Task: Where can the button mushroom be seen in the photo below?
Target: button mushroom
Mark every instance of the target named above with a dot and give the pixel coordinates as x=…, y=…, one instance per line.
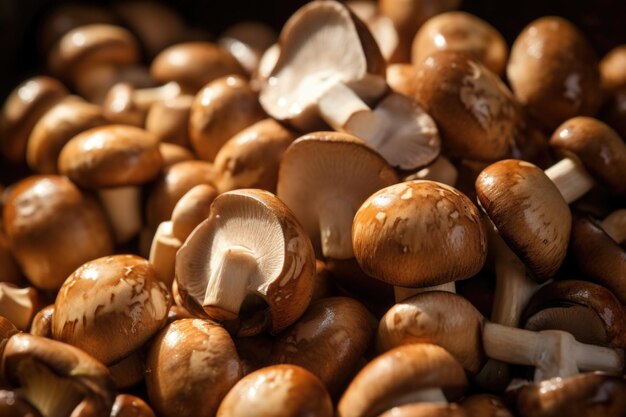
x=126, y=104
x=169, y=120
x=130, y=406
x=247, y=41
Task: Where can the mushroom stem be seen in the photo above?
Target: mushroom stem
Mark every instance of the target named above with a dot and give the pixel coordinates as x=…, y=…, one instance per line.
x=402, y=293
x=228, y=284
x=614, y=225
x=335, y=220
x=442, y=170
x=123, y=208
x=146, y=97
x=163, y=252
x=571, y=178
x=553, y=353
x=339, y=104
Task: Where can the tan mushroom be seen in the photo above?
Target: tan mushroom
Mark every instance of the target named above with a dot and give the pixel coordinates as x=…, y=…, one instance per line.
x=485, y=405
x=129, y=371
x=126, y=104
x=168, y=120
x=172, y=153
x=9, y=269
x=126, y=405
x=7, y=330
x=381, y=27
x=247, y=41
x=19, y=305
x=13, y=404
x=426, y=410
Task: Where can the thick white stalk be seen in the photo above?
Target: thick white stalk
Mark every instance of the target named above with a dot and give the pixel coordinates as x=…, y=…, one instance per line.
x=335, y=221
x=402, y=293
x=571, y=178
x=123, y=208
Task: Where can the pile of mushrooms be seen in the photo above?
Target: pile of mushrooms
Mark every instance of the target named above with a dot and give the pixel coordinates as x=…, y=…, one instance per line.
x=382, y=210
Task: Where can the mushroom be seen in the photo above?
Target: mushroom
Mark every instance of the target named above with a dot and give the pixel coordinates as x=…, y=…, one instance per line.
x=61, y=123
x=381, y=27
x=251, y=158
x=553, y=71
x=19, y=305
x=615, y=111
x=191, y=210
x=114, y=160
x=128, y=105
x=172, y=153
x=426, y=410
x=26, y=104
x=193, y=65
x=247, y=41
x=129, y=371
x=192, y=365
x=402, y=78
x=163, y=251
x=126, y=405
x=442, y=170
x=588, y=311
x=249, y=260
x=254, y=351
x=9, y=269
x=13, y=404
x=168, y=120
x=485, y=405
x=323, y=178
x=110, y=307
x=56, y=378
x=460, y=31
x=7, y=330
x=42, y=322
x=408, y=374
x=419, y=234
x=221, y=109
x=337, y=328
x=52, y=228
x=612, y=69
x=277, y=391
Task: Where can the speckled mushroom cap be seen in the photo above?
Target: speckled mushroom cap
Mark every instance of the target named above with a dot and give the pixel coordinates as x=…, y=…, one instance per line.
x=252, y=237
x=553, y=71
x=111, y=156
x=601, y=150
x=54, y=228
x=419, y=234
x=323, y=169
x=110, y=307
x=477, y=116
x=529, y=212
x=193, y=65
x=460, y=31
x=277, y=391
x=398, y=373
x=191, y=366
x=22, y=109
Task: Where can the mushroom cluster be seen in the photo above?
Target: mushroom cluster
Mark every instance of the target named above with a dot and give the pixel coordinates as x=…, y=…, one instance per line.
x=385, y=209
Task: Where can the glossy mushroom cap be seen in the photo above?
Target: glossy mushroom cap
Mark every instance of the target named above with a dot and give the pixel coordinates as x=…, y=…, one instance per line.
x=173, y=154
x=323, y=178
x=613, y=69
x=111, y=156
x=130, y=406
x=42, y=322
x=277, y=391
x=110, y=307
x=168, y=120
x=529, y=212
x=191, y=210
x=54, y=228
x=419, y=234
x=553, y=71
x=251, y=245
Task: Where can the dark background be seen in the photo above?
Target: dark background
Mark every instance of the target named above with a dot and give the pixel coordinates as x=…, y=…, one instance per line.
x=604, y=22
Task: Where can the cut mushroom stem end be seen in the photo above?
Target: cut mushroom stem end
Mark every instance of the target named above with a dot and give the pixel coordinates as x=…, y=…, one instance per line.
x=335, y=218
x=123, y=207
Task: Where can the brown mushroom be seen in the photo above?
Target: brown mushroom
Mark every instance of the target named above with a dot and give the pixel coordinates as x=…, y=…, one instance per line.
x=485, y=405
x=173, y=154
x=7, y=330
x=613, y=68
x=126, y=405
x=9, y=269
x=441, y=170
x=42, y=322
x=191, y=210
x=426, y=410
x=128, y=371
x=277, y=391
x=19, y=305
x=249, y=260
x=168, y=120
x=247, y=41
x=110, y=307
x=53, y=228
x=402, y=78
x=126, y=104
x=13, y=404
x=192, y=365
x=381, y=27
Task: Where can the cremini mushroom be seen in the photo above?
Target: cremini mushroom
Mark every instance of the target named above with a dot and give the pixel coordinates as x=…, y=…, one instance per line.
x=53, y=228
x=126, y=405
x=126, y=104
x=323, y=178
x=129, y=371
x=192, y=365
x=7, y=330
x=110, y=307
x=12, y=404
x=42, y=322
x=9, y=269
x=172, y=154
x=114, y=160
x=441, y=170
x=249, y=260
x=19, y=305
x=612, y=69
x=191, y=210
x=277, y=391
x=381, y=27
x=247, y=41
x=169, y=120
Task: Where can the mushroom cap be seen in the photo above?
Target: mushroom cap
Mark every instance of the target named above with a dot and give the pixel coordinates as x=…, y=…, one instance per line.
x=42, y=322
x=337, y=328
x=419, y=234
x=307, y=67
x=169, y=120
x=60, y=124
x=191, y=210
x=252, y=157
x=173, y=154
x=529, y=212
x=220, y=110
x=395, y=374
x=402, y=78
x=426, y=410
x=111, y=156
x=460, y=31
x=599, y=257
x=323, y=167
x=19, y=304
x=553, y=71
x=277, y=391
x=247, y=41
x=54, y=228
x=283, y=267
x=613, y=69
x=126, y=405
x=616, y=111
x=191, y=359
x=598, y=146
x=586, y=395
x=477, y=116
x=129, y=371
x=441, y=318
x=193, y=65
x=7, y=329
x=119, y=107
x=22, y=109
x=110, y=307
x=485, y=405
x=13, y=404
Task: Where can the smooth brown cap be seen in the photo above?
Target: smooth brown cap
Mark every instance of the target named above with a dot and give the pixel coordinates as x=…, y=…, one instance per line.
x=42, y=322
x=529, y=212
x=111, y=156
x=400, y=372
x=419, y=234
x=7, y=329
x=616, y=111
x=193, y=65
x=601, y=150
x=191, y=210
x=54, y=228
x=220, y=110
x=126, y=405
x=129, y=371
x=553, y=71
x=613, y=69
x=169, y=120
x=277, y=391
x=426, y=410
x=173, y=154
